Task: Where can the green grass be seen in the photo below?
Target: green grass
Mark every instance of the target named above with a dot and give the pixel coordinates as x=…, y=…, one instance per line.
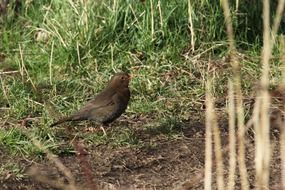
x=10, y=169
x=64, y=52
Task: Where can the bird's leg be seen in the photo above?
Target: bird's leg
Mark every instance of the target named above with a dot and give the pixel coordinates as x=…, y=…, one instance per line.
x=103, y=126
x=95, y=129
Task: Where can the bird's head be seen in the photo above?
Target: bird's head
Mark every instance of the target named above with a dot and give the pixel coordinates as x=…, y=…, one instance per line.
x=120, y=80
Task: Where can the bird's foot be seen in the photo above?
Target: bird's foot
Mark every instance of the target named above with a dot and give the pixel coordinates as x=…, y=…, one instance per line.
x=92, y=130
x=102, y=128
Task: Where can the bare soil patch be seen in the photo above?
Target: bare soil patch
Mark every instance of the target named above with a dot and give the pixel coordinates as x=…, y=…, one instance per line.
x=161, y=163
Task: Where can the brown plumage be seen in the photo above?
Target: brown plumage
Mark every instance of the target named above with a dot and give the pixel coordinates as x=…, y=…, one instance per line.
x=107, y=105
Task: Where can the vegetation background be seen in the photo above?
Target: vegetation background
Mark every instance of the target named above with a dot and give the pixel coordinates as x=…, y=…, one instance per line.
x=55, y=55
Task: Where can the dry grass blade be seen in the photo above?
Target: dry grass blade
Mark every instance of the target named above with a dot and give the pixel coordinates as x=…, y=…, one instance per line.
x=279, y=13
x=160, y=14
x=50, y=63
x=3, y=86
x=212, y=123
x=218, y=152
x=33, y=172
x=229, y=26
x=90, y=184
x=191, y=27
x=282, y=137
x=232, y=138
x=262, y=155
x=239, y=100
x=208, y=140
x=23, y=68
x=52, y=158
x=8, y=72
x=282, y=155
x=237, y=5
x=258, y=142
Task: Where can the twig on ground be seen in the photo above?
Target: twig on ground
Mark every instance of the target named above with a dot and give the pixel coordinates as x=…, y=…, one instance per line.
x=85, y=165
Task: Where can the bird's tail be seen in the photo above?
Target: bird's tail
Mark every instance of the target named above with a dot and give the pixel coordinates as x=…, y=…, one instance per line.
x=65, y=119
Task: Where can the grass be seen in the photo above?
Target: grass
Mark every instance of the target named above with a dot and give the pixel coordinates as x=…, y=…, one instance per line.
x=64, y=52
x=77, y=54
x=8, y=170
x=55, y=55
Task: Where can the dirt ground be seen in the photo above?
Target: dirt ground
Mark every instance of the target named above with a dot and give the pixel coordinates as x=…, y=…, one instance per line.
x=162, y=163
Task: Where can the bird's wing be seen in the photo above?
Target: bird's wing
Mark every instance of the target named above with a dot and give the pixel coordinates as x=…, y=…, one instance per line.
x=101, y=101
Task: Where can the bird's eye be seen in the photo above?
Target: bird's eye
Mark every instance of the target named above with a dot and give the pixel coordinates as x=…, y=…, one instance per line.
x=122, y=78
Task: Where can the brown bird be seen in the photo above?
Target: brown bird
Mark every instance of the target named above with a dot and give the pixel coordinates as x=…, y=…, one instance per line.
x=107, y=105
